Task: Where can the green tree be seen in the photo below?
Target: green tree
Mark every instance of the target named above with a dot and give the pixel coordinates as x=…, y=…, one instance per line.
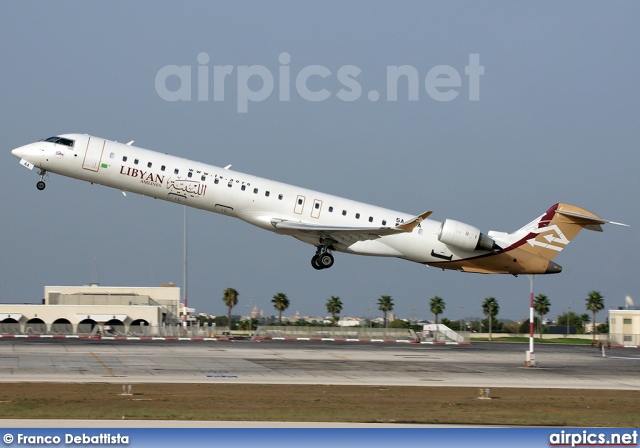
x=490, y=308
x=230, y=299
x=570, y=319
x=496, y=325
x=385, y=304
x=436, y=306
x=542, y=305
x=603, y=328
x=248, y=324
x=399, y=323
x=280, y=303
x=334, y=307
x=595, y=303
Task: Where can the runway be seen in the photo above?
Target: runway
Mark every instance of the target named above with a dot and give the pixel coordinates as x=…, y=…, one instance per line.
x=286, y=362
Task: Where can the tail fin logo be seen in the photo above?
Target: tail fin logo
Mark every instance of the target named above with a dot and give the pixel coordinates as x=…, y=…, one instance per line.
x=555, y=236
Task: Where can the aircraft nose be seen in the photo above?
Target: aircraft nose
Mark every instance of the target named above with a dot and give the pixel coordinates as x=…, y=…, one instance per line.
x=17, y=152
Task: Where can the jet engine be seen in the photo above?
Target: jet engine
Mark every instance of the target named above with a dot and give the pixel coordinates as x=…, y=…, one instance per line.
x=464, y=236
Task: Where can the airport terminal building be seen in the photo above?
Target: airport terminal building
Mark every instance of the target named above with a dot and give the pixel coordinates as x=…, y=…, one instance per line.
x=94, y=309
x=624, y=326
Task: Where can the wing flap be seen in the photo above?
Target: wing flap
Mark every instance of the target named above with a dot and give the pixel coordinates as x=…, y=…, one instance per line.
x=346, y=235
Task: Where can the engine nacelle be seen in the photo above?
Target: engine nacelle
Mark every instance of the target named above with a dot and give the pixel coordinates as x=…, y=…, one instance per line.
x=464, y=236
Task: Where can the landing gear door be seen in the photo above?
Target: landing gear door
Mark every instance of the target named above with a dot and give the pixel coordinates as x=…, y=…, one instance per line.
x=94, y=154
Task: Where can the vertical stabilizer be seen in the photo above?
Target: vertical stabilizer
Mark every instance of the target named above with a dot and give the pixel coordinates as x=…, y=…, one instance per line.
x=551, y=232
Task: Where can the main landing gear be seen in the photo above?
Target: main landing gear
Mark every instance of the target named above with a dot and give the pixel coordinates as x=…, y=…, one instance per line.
x=322, y=259
x=41, y=185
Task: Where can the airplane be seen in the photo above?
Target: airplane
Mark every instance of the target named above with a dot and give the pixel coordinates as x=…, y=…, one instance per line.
x=330, y=223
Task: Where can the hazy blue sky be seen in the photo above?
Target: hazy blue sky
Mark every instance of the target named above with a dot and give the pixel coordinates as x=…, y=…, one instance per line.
x=556, y=120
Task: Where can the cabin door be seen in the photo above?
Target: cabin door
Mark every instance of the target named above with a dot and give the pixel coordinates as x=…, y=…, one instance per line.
x=93, y=155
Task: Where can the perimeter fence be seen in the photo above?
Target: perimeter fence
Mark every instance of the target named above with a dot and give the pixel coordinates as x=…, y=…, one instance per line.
x=360, y=333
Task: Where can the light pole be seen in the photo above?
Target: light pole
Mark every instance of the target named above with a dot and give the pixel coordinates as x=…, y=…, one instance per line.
x=568, y=316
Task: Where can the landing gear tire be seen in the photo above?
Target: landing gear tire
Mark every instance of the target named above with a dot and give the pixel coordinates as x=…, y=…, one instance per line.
x=40, y=185
x=325, y=260
x=314, y=263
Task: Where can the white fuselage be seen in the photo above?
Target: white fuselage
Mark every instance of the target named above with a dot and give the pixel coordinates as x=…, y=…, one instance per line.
x=255, y=200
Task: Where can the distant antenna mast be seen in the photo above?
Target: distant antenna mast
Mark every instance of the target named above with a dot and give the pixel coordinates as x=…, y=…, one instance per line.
x=94, y=277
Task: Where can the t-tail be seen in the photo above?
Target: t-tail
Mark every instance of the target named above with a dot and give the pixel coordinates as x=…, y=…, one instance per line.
x=548, y=234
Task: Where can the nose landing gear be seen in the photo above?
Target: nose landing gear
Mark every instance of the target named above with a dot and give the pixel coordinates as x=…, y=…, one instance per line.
x=41, y=185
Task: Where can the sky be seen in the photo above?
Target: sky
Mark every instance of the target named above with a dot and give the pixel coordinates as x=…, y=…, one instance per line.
x=552, y=118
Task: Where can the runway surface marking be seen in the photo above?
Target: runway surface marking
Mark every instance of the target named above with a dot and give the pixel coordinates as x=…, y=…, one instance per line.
x=102, y=364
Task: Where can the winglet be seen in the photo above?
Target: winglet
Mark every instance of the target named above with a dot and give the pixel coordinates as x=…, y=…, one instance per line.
x=413, y=223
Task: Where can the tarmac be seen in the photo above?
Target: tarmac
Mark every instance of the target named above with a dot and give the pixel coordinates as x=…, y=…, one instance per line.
x=481, y=364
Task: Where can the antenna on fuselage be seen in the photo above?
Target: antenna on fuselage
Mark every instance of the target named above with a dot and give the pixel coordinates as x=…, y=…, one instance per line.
x=130, y=143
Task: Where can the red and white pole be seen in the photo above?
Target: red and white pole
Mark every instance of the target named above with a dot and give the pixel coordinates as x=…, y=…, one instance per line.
x=530, y=358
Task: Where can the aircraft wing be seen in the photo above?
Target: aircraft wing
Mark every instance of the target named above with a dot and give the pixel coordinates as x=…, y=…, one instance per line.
x=345, y=235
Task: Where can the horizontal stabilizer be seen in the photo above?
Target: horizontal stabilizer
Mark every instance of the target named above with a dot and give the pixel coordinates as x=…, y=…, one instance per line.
x=592, y=223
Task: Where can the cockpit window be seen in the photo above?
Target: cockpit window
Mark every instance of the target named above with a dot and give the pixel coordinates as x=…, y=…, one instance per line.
x=60, y=141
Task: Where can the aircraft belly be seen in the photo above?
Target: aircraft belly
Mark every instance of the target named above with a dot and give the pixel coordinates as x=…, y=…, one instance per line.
x=371, y=247
x=513, y=262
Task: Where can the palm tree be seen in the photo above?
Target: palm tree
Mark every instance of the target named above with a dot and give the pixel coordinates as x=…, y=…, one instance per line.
x=334, y=306
x=584, y=320
x=436, y=305
x=230, y=298
x=595, y=303
x=280, y=303
x=542, y=306
x=385, y=304
x=490, y=308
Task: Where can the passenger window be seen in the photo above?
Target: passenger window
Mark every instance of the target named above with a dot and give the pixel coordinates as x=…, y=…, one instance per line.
x=244, y=187
x=330, y=209
x=255, y=191
x=384, y=222
x=266, y=193
x=203, y=178
x=230, y=184
x=189, y=174
x=135, y=161
x=280, y=197
x=317, y=205
x=162, y=168
x=216, y=180
x=112, y=155
x=357, y=215
x=124, y=158
x=149, y=165
x=175, y=171
x=299, y=201
x=344, y=213
x=370, y=218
